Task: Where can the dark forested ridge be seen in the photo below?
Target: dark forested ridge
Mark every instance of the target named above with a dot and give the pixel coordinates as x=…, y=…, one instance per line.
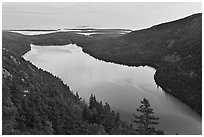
x=17, y=43
x=173, y=48
x=35, y=102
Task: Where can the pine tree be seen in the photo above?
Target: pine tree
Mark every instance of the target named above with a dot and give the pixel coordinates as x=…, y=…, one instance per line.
x=92, y=102
x=146, y=119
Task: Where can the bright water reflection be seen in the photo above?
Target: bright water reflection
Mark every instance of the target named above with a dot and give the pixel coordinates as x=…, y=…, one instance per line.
x=121, y=86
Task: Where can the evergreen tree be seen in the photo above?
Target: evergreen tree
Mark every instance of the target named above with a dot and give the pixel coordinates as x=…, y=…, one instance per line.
x=117, y=119
x=146, y=119
x=92, y=102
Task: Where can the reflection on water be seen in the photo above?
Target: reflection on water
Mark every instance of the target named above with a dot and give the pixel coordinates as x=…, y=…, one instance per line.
x=121, y=86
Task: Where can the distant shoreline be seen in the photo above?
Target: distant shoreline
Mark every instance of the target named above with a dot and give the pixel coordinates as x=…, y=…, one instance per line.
x=33, y=30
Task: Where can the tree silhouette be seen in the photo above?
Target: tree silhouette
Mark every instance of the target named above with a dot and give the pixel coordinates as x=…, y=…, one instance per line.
x=146, y=119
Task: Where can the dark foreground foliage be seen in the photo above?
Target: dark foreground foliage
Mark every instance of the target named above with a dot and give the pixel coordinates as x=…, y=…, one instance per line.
x=146, y=119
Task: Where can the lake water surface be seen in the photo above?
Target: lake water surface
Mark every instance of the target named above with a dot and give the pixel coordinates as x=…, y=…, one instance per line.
x=121, y=86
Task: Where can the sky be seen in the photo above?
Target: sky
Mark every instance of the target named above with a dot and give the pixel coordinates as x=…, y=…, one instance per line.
x=132, y=15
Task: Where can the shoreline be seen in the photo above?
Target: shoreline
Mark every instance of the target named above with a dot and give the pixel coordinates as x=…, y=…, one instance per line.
x=153, y=65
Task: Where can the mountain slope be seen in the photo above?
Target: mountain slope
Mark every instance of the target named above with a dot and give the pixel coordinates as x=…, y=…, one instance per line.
x=150, y=45
x=174, y=49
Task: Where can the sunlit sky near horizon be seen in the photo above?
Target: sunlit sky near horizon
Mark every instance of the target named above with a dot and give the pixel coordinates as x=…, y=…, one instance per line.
x=133, y=15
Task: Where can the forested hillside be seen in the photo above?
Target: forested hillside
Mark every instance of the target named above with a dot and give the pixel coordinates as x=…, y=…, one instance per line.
x=36, y=102
x=174, y=49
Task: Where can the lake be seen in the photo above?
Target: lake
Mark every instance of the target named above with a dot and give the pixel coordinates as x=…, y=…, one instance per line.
x=121, y=86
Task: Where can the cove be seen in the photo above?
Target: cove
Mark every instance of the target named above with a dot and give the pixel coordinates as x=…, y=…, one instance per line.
x=121, y=86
